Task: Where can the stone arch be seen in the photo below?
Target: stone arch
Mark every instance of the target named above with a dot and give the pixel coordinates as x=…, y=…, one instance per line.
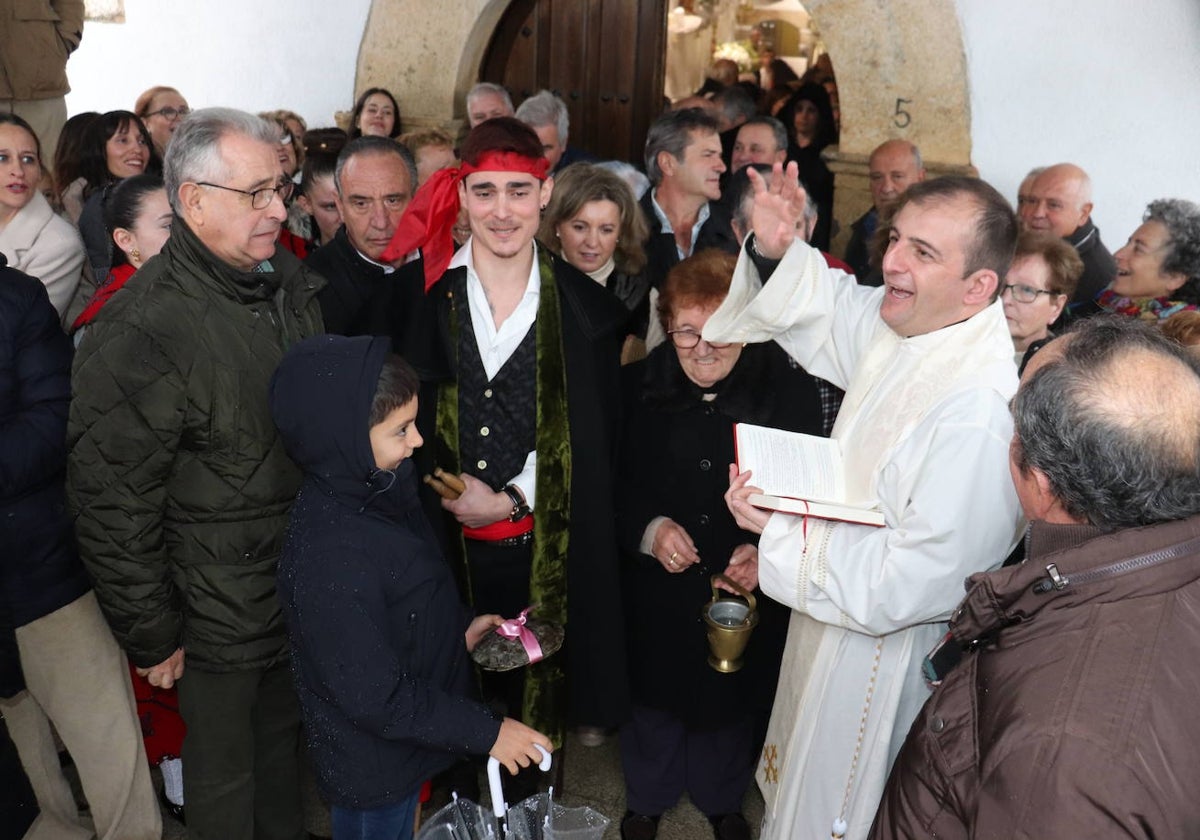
x=441, y=45
x=902, y=73
x=901, y=66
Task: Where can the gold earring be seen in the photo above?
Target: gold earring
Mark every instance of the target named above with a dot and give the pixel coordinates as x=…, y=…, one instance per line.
x=135, y=254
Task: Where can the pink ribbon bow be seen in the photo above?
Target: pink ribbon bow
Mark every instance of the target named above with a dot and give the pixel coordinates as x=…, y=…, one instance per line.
x=515, y=628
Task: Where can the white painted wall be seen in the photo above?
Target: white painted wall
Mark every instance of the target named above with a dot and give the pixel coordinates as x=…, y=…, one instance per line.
x=1110, y=85
x=256, y=55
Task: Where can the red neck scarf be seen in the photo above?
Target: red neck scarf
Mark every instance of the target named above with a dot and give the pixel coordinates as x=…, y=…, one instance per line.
x=427, y=222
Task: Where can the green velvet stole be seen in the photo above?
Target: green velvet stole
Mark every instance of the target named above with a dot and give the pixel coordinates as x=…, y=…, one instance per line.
x=544, y=700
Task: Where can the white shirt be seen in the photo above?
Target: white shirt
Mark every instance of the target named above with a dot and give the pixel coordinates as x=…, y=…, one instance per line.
x=701, y=218
x=497, y=344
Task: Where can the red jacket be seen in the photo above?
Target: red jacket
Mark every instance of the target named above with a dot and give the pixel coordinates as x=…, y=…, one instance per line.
x=1076, y=714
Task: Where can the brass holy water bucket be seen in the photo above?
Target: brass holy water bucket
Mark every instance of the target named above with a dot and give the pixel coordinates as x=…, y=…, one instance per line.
x=729, y=624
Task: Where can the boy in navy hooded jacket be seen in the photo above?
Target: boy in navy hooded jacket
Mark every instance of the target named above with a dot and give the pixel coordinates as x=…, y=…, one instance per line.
x=379, y=637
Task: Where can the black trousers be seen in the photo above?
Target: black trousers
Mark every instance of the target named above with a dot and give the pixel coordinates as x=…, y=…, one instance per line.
x=662, y=758
x=18, y=808
x=500, y=584
x=241, y=776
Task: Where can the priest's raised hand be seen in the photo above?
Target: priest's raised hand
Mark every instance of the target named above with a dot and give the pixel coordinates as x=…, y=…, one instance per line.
x=778, y=208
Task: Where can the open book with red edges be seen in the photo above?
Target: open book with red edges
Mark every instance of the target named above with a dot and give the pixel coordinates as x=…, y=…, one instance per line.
x=799, y=473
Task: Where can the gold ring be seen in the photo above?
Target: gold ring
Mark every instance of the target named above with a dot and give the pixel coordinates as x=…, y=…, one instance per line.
x=674, y=554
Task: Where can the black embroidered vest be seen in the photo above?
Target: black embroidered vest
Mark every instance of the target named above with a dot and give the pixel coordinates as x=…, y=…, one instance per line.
x=497, y=419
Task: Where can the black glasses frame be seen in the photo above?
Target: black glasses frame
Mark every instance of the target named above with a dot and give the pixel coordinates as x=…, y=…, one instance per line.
x=170, y=113
x=259, y=199
x=689, y=339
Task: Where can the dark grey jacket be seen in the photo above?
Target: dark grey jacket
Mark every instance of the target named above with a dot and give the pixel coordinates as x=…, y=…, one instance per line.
x=177, y=477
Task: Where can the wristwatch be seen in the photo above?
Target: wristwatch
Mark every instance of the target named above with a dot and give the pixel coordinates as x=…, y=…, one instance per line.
x=520, y=509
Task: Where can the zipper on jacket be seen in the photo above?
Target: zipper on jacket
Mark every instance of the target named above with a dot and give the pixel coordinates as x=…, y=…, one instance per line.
x=1056, y=581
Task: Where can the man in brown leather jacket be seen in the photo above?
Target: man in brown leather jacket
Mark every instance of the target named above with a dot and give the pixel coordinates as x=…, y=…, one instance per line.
x=1072, y=710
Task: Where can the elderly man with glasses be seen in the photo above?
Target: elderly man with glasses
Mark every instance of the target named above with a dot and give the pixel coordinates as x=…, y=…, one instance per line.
x=178, y=480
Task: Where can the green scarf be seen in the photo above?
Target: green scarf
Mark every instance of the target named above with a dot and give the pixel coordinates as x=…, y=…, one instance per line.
x=544, y=700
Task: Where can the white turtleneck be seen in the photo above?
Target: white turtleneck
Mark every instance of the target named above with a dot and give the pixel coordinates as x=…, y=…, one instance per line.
x=601, y=274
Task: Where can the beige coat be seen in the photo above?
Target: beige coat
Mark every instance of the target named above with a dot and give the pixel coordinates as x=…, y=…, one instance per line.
x=45, y=245
x=36, y=36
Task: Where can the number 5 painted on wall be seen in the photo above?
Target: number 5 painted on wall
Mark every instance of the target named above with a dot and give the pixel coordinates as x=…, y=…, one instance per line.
x=903, y=118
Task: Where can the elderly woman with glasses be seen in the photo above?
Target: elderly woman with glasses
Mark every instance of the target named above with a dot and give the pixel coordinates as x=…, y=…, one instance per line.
x=161, y=108
x=1039, y=284
x=694, y=729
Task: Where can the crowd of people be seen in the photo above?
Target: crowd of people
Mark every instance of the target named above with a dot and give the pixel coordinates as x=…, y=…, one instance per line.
x=345, y=404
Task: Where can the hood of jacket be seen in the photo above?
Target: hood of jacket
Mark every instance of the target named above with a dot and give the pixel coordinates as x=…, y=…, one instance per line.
x=321, y=398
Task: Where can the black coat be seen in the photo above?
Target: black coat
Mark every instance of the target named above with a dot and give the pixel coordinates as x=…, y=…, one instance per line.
x=373, y=615
x=40, y=570
x=359, y=298
x=661, y=252
x=1099, y=267
x=676, y=450
x=818, y=181
x=858, y=251
x=592, y=320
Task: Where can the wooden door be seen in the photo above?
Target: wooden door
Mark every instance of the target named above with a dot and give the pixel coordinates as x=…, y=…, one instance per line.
x=605, y=58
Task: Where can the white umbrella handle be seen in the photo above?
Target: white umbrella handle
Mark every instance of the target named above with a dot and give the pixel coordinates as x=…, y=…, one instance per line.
x=499, y=806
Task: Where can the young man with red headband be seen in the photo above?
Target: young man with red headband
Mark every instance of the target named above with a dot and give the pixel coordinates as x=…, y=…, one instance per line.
x=522, y=400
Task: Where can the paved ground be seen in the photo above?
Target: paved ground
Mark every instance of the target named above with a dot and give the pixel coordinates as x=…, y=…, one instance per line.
x=592, y=778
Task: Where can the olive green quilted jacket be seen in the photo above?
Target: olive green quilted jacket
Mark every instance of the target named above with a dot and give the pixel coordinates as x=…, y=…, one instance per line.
x=177, y=478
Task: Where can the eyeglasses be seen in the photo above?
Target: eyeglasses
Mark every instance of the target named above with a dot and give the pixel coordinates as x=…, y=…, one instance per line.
x=687, y=339
x=285, y=140
x=170, y=113
x=259, y=199
x=1024, y=294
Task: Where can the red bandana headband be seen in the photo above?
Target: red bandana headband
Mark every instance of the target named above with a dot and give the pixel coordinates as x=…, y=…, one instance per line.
x=429, y=219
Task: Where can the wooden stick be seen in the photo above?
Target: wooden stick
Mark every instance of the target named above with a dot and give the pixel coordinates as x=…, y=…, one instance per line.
x=450, y=480
x=441, y=489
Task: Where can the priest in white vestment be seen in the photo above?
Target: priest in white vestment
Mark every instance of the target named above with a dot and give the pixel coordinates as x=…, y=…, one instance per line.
x=927, y=365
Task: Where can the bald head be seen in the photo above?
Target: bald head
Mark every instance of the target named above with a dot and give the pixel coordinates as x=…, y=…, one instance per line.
x=893, y=166
x=1060, y=200
x=1110, y=421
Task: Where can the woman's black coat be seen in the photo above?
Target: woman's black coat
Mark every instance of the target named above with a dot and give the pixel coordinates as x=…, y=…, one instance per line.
x=676, y=451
